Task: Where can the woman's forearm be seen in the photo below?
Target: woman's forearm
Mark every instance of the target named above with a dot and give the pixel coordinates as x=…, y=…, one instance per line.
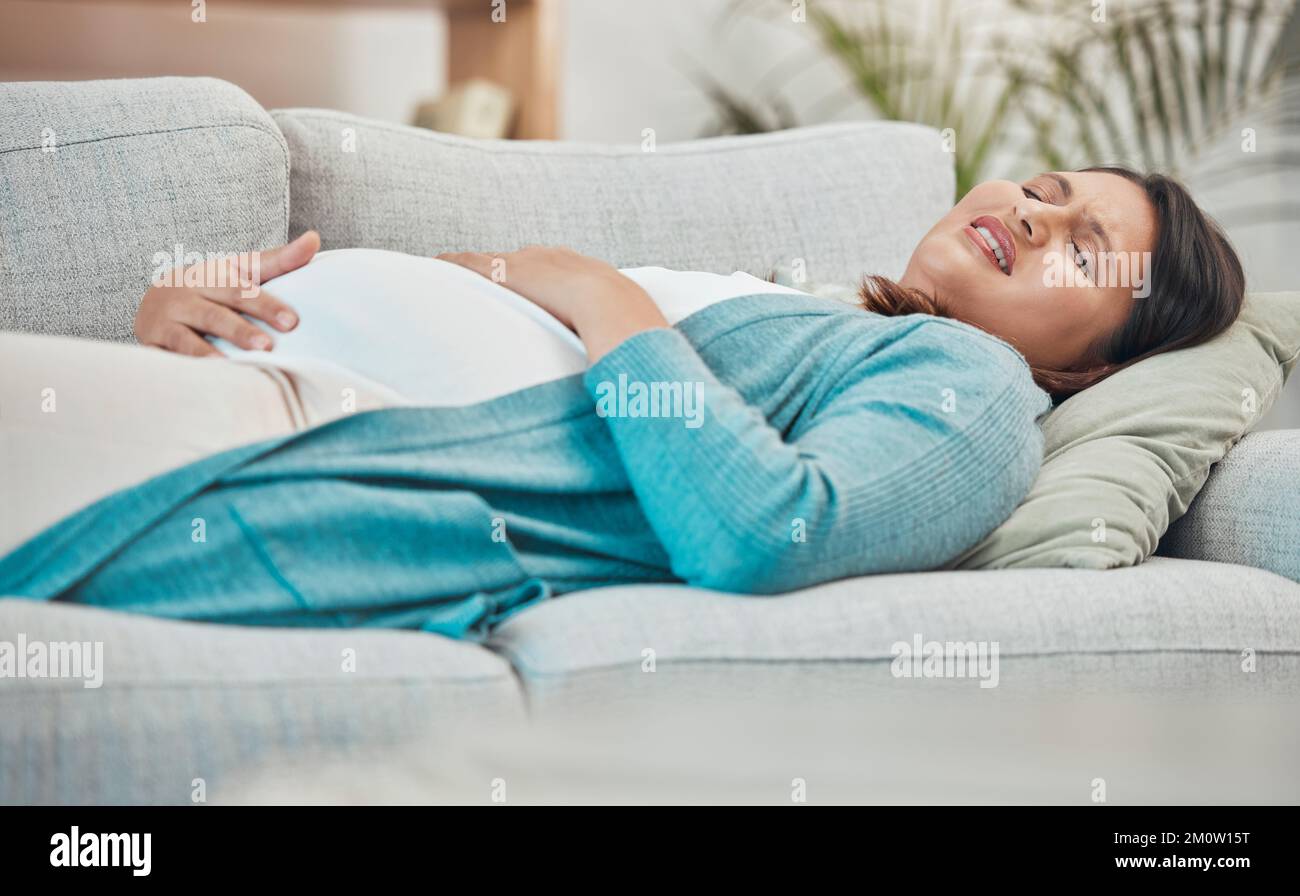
x=585, y=294
x=604, y=326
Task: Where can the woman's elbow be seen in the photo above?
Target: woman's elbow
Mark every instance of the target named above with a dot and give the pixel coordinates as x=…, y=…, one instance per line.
x=744, y=566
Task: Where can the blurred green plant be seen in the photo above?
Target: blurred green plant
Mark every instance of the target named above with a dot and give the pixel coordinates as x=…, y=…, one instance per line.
x=924, y=61
x=739, y=116
x=1153, y=84
x=1183, y=87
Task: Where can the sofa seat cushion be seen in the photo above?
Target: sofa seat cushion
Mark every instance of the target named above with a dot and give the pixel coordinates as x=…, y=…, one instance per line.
x=180, y=701
x=1168, y=624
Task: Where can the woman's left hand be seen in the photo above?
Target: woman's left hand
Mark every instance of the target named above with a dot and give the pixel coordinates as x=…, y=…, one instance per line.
x=585, y=294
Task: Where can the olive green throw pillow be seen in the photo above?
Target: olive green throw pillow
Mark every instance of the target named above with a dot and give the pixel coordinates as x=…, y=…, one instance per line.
x=1124, y=459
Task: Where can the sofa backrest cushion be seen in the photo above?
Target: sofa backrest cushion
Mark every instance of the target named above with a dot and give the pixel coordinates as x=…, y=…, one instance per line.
x=101, y=179
x=832, y=202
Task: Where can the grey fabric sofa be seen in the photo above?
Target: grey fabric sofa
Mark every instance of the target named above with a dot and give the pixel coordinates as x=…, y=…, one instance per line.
x=99, y=176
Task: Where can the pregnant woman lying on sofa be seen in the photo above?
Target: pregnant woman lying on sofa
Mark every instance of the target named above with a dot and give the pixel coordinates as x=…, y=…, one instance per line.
x=540, y=422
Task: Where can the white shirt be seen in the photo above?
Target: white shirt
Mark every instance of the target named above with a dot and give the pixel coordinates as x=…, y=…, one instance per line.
x=415, y=330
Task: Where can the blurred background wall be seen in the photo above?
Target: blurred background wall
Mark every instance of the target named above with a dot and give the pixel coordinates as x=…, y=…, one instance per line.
x=682, y=68
x=378, y=62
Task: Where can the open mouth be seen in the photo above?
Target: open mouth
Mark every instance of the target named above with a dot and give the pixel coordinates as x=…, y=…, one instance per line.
x=992, y=238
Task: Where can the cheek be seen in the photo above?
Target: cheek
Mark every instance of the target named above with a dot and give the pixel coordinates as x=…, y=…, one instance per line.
x=1050, y=312
x=1034, y=319
x=987, y=195
x=1008, y=310
x=1082, y=308
x=1062, y=324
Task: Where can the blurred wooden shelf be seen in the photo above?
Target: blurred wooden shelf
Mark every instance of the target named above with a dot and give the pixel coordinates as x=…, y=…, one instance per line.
x=522, y=54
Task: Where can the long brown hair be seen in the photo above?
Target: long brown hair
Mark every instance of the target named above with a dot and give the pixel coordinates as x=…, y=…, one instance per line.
x=1197, y=290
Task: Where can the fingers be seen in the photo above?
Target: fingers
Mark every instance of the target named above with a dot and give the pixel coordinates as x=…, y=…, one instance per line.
x=262, y=305
x=218, y=320
x=289, y=257
x=212, y=298
x=184, y=341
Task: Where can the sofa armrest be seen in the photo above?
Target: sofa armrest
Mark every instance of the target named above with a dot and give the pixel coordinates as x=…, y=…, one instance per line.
x=1248, y=513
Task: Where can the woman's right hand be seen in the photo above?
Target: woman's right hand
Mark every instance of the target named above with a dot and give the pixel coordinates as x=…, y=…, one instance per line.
x=178, y=317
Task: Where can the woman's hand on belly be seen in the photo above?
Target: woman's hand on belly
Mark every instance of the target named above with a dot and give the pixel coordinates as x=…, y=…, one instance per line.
x=585, y=294
x=209, y=298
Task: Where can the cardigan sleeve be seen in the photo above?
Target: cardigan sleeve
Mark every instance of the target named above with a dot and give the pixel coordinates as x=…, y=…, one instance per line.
x=879, y=476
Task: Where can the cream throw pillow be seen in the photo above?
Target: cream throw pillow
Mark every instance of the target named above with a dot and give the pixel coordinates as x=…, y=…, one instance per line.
x=1125, y=458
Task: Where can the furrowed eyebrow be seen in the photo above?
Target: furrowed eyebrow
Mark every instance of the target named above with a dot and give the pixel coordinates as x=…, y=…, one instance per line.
x=1066, y=190
x=1100, y=231
x=1093, y=224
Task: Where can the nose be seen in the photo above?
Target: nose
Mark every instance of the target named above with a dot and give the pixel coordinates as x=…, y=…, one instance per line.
x=1035, y=221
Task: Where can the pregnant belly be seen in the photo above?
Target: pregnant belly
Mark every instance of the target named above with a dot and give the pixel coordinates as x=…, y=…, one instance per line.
x=428, y=332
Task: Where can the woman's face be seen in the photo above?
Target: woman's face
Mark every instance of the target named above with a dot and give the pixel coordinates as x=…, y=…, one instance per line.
x=1075, y=250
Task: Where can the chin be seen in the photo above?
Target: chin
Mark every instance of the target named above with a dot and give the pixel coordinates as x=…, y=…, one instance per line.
x=940, y=264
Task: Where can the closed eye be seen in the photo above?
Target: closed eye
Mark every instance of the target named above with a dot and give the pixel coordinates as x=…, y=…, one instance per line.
x=1080, y=257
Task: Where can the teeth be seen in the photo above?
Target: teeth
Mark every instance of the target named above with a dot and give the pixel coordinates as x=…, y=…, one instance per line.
x=995, y=246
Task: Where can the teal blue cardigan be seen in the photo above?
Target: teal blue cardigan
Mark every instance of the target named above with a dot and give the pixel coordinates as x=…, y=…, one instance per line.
x=831, y=442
